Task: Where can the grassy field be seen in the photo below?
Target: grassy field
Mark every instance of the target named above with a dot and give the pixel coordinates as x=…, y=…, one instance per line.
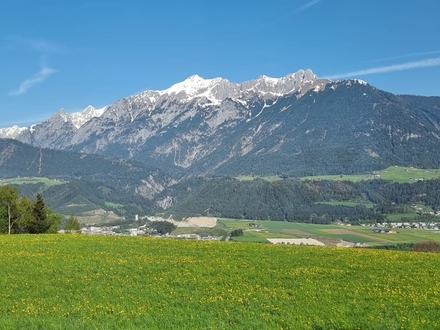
x=326, y=233
x=351, y=204
x=34, y=180
x=103, y=282
x=114, y=205
x=393, y=173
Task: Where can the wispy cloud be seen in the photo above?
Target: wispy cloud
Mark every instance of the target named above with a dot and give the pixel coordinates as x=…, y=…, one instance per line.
x=407, y=55
x=430, y=62
x=44, y=73
x=307, y=5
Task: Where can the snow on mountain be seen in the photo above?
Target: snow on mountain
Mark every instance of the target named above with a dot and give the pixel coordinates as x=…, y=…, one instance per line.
x=133, y=120
x=299, y=82
x=195, y=86
x=57, y=120
x=81, y=117
x=292, y=124
x=215, y=91
x=11, y=132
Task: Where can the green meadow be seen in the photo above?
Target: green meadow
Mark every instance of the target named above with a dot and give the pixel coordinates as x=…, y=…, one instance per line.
x=109, y=282
x=393, y=173
x=326, y=233
x=351, y=204
x=32, y=180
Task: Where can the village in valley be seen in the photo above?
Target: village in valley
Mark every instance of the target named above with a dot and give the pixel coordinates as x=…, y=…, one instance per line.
x=272, y=232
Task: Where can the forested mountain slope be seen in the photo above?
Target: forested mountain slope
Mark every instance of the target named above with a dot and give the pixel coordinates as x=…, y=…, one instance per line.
x=22, y=160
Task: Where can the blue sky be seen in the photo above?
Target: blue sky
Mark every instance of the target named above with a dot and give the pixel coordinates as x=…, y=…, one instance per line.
x=57, y=54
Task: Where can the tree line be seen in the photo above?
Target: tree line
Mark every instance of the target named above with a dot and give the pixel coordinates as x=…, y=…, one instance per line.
x=314, y=201
x=22, y=214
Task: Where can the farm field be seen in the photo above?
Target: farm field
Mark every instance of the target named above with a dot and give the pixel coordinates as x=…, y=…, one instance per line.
x=393, y=173
x=330, y=234
x=108, y=282
x=398, y=174
x=34, y=180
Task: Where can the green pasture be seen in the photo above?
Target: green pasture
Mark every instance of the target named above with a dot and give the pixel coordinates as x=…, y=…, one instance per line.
x=259, y=237
x=340, y=177
x=397, y=217
x=408, y=174
x=393, y=173
x=351, y=204
x=334, y=233
x=114, y=205
x=410, y=236
x=110, y=282
x=34, y=180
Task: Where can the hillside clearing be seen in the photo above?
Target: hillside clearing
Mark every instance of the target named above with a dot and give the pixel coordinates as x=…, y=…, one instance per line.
x=32, y=180
x=398, y=174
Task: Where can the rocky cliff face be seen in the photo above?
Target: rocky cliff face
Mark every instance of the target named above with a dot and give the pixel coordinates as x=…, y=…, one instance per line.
x=55, y=132
x=125, y=127
x=294, y=124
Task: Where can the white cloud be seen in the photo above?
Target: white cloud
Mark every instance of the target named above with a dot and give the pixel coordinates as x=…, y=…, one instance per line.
x=44, y=73
x=430, y=62
x=307, y=5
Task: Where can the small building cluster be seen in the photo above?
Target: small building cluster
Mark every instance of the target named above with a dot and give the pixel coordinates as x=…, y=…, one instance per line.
x=408, y=225
x=94, y=230
x=201, y=236
x=296, y=241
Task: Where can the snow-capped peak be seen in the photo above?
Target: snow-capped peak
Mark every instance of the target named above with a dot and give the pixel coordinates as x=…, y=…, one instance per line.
x=81, y=117
x=361, y=82
x=299, y=81
x=196, y=86
x=192, y=85
x=11, y=132
x=62, y=114
x=269, y=80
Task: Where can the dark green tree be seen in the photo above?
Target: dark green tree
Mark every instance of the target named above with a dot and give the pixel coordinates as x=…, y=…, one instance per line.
x=24, y=215
x=163, y=227
x=237, y=232
x=38, y=223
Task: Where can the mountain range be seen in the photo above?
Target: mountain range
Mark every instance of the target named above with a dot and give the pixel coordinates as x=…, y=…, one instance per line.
x=291, y=126
x=294, y=125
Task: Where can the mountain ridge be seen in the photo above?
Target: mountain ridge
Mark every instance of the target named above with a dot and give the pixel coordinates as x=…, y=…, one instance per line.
x=194, y=86
x=294, y=125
